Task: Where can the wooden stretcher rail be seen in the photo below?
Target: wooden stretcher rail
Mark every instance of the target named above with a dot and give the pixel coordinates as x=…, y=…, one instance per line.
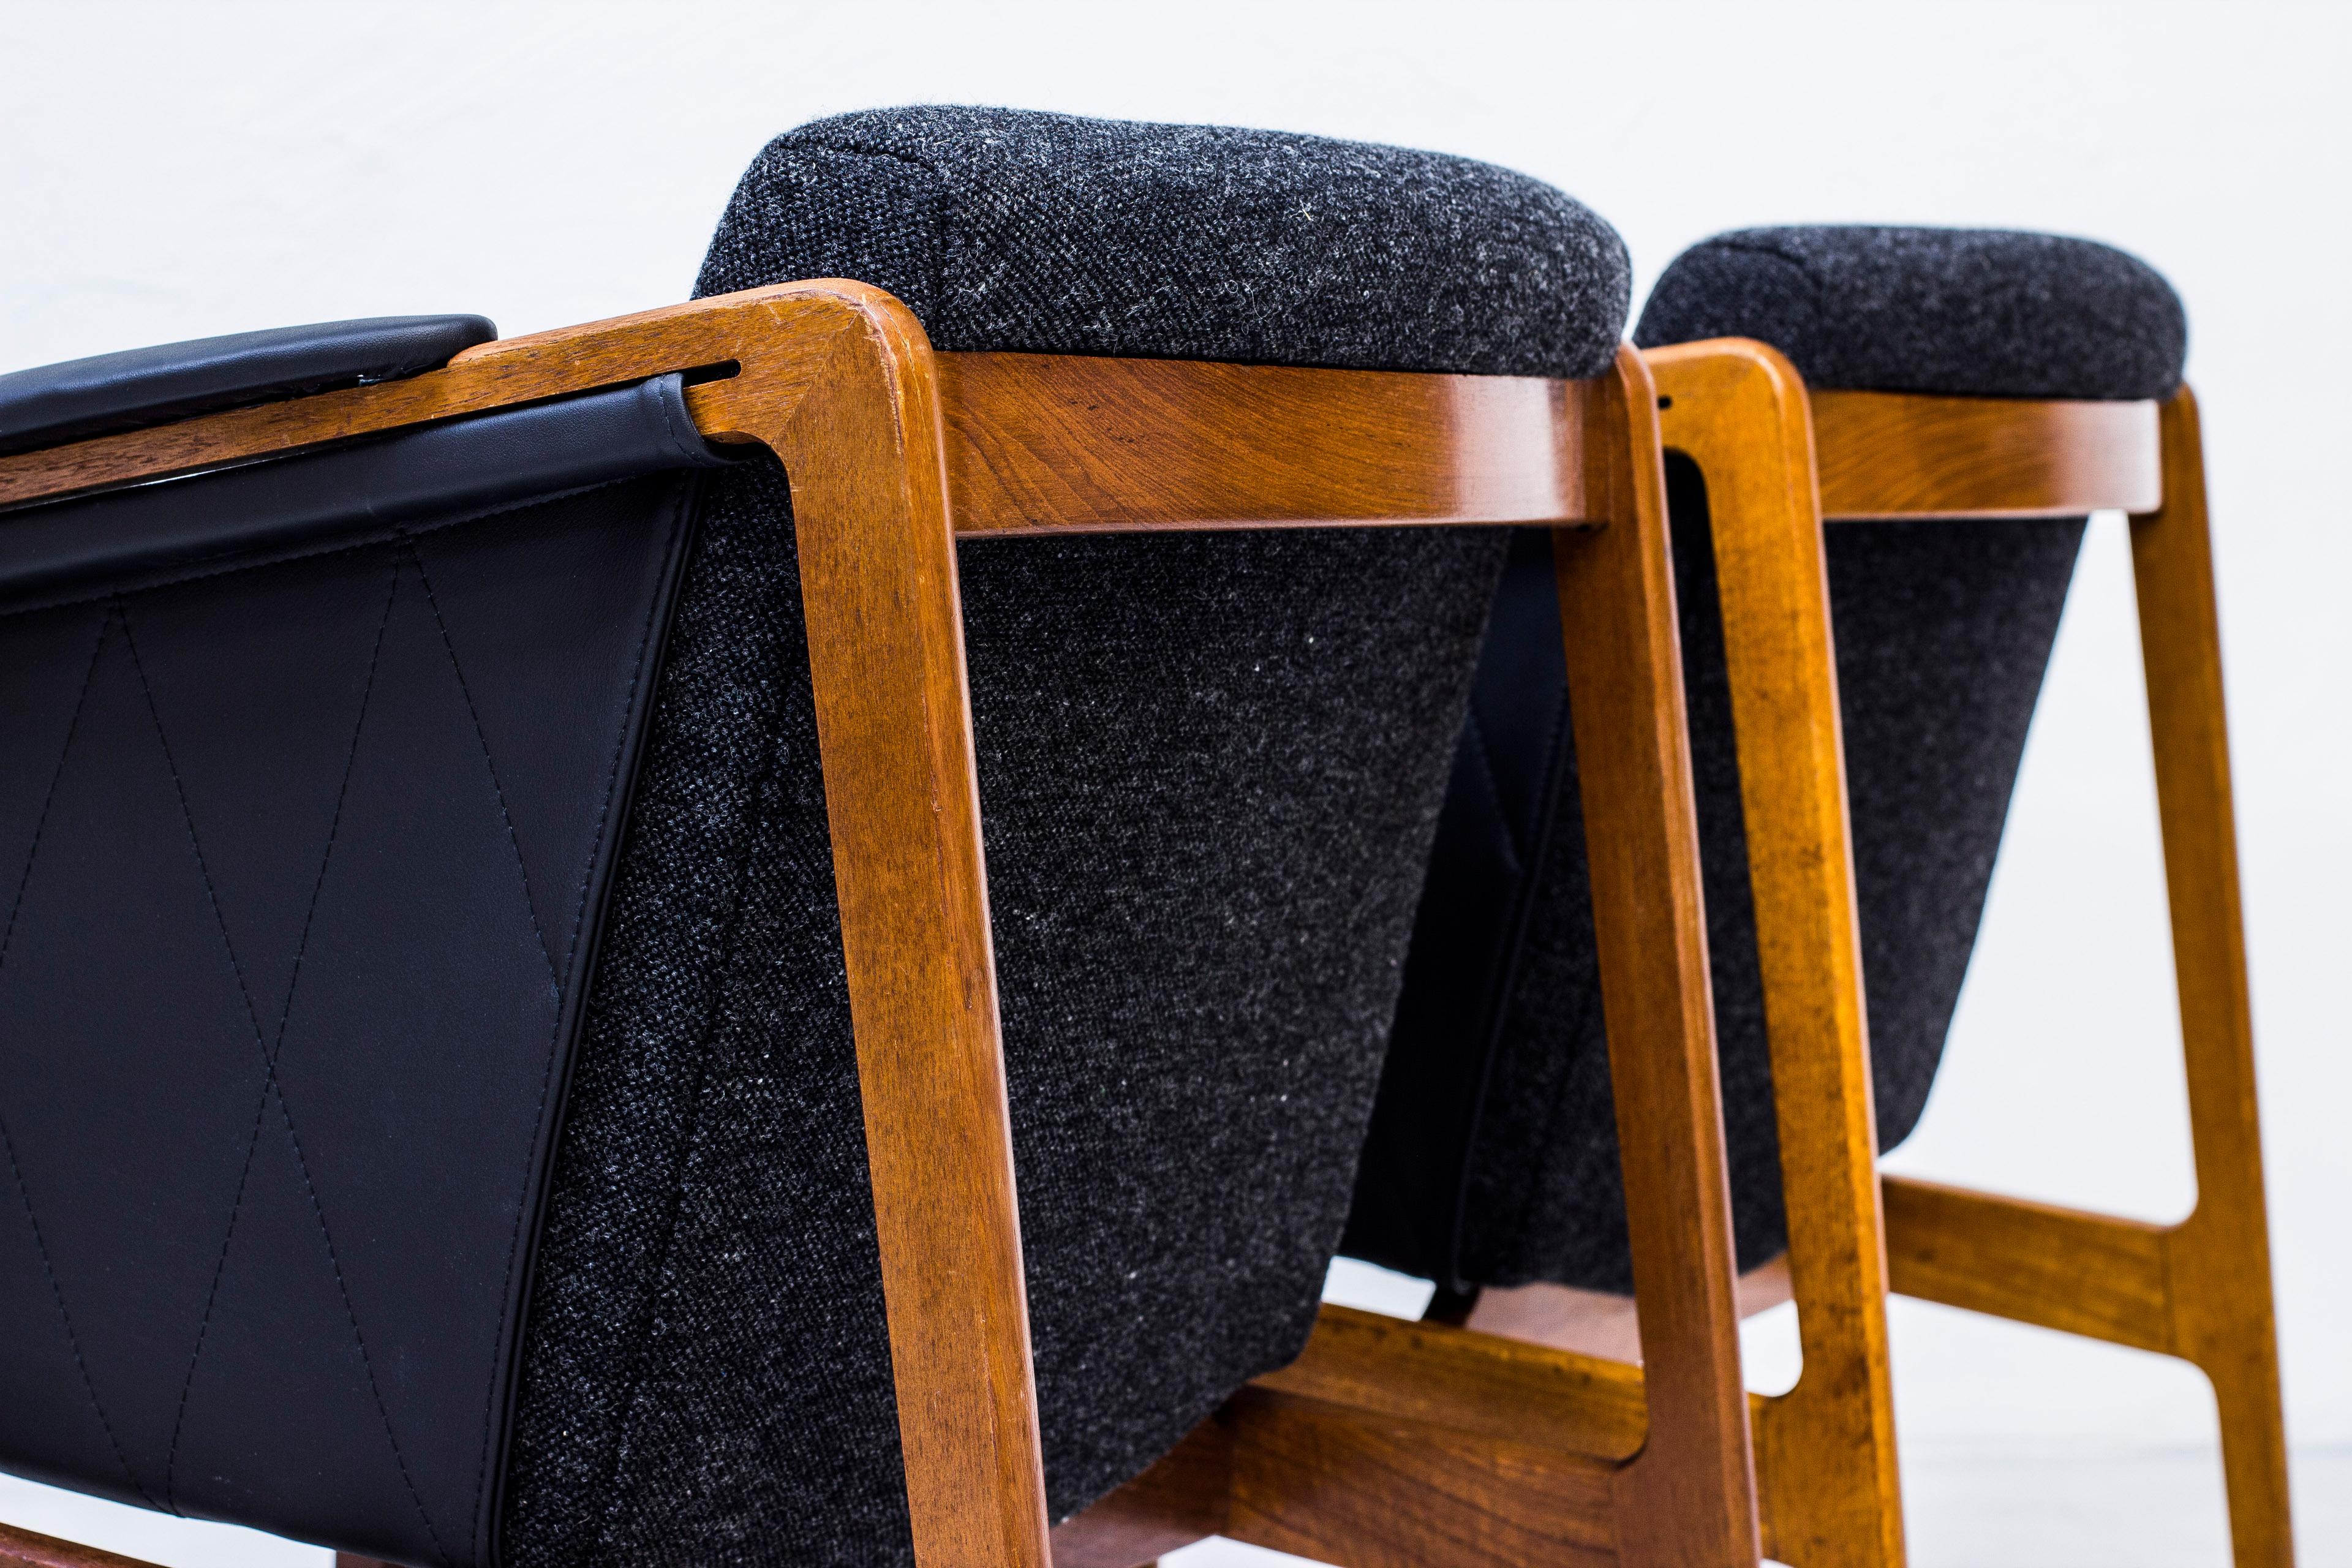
x=1899, y=455
x=2088, y=1274
x=1469, y=1382
x=1034, y=443
x=892, y=451
x=1047, y=442
x=1331, y=1483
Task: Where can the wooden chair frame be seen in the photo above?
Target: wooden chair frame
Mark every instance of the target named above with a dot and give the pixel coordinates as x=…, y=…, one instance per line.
x=1778, y=465
x=893, y=452
x=1489, y=1428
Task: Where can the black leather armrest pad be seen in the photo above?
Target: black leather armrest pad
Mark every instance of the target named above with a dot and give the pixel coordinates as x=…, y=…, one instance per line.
x=55, y=403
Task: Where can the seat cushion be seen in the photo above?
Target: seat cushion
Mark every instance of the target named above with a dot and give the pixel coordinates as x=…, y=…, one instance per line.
x=1209, y=767
x=1052, y=234
x=1962, y=311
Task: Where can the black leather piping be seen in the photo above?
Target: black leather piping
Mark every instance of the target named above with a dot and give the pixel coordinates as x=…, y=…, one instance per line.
x=57, y=403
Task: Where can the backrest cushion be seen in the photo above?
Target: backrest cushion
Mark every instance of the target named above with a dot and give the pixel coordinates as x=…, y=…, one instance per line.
x=1499, y=1165
x=1209, y=768
x=1007, y=230
x=1963, y=311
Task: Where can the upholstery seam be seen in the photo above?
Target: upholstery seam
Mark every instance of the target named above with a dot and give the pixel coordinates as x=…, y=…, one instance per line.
x=1493, y=786
x=571, y=956
x=690, y=1136
x=1517, y=1229
x=73, y=1341
x=531, y=905
x=269, y=1074
x=24, y=1192
x=942, y=196
x=37, y=605
x=49, y=797
x=1498, y=1007
x=285, y=1112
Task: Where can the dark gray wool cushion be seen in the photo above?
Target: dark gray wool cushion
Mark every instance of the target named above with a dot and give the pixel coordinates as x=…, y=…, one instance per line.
x=1943, y=631
x=1963, y=311
x=1209, y=769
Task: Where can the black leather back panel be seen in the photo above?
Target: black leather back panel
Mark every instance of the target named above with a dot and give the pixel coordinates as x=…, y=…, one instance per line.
x=300, y=870
x=1513, y=768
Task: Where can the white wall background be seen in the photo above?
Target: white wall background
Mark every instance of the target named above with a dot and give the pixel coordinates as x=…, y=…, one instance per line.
x=170, y=170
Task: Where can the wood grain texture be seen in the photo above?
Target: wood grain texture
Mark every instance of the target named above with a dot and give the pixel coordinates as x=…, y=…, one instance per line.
x=1339, y=1485
x=23, y=1548
x=2201, y=1290
x=837, y=380
x=1040, y=442
x=1035, y=442
x=863, y=448
x=1184, y=1497
x=790, y=325
x=1467, y=1382
x=2223, y=1312
x=1888, y=454
x=1689, y=1495
x=1825, y=1450
x=1391, y=1443
x=2080, y=1273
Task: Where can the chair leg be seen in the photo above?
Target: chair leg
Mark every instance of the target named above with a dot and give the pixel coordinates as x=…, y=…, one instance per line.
x=1690, y=1495
x=2219, y=1264
x=1825, y=1450
x=894, y=724
x=1390, y=1445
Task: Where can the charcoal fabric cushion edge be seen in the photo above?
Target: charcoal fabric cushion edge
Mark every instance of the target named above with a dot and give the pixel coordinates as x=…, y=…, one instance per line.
x=1011, y=231
x=1954, y=311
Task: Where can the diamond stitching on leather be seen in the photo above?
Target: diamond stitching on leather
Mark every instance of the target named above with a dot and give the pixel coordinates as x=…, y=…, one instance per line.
x=261, y=1102
x=15, y=1171
x=270, y=1085
x=361, y=769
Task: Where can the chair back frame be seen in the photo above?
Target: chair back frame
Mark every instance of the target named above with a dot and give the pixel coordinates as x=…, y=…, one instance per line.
x=893, y=452
x=1779, y=463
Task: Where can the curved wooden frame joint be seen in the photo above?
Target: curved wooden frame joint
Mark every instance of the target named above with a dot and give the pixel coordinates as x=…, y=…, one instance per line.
x=2200, y=1290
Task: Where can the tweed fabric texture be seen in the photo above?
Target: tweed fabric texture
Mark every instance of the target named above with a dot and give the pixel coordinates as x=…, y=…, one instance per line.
x=1943, y=631
x=1210, y=766
x=1052, y=234
x=1965, y=312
